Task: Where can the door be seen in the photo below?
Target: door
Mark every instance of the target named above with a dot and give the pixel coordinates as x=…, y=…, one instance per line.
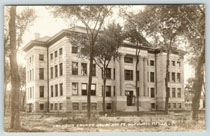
x=130, y=96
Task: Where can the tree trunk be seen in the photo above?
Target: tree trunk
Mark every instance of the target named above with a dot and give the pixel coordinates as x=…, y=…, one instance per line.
x=90, y=81
x=197, y=85
x=166, y=81
x=15, y=117
x=137, y=91
x=104, y=91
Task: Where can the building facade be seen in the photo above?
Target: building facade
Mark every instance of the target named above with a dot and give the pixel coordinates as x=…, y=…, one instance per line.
x=57, y=78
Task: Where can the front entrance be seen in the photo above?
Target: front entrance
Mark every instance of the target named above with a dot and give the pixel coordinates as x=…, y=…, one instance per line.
x=130, y=98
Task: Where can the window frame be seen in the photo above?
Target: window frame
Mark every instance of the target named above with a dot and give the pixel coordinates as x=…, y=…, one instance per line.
x=130, y=76
x=75, y=68
x=41, y=57
x=74, y=89
x=41, y=91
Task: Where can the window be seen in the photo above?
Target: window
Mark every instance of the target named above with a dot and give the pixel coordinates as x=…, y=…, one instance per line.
x=75, y=106
x=152, y=77
x=173, y=77
x=173, y=63
x=41, y=106
x=41, y=91
x=108, y=91
x=84, y=89
x=84, y=106
x=61, y=89
x=178, y=77
x=93, y=106
x=179, y=63
x=84, y=69
x=74, y=49
x=74, y=68
x=179, y=105
x=41, y=73
x=56, y=90
x=153, y=105
x=51, y=56
x=94, y=70
x=169, y=105
x=109, y=106
x=179, y=92
x=152, y=91
x=93, y=89
x=152, y=62
x=173, y=92
x=128, y=74
x=169, y=77
x=51, y=90
x=60, y=106
x=56, y=70
x=61, y=69
x=60, y=51
x=137, y=75
x=174, y=105
x=41, y=57
x=114, y=73
x=74, y=88
x=56, y=106
x=51, y=72
x=51, y=106
x=128, y=60
x=108, y=73
x=56, y=54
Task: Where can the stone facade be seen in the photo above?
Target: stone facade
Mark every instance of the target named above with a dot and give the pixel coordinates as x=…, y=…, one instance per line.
x=66, y=90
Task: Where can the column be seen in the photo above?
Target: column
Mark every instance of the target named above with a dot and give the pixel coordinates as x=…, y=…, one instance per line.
x=141, y=79
x=122, y=78
x=117, y=77
x=145, y=78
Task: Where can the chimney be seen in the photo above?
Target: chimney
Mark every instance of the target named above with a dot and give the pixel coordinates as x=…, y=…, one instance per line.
x=36, y=36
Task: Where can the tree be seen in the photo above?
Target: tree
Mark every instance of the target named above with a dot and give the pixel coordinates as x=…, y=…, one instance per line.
x=161, y=24
x=193, y=18
x=106, y=49
x=134, y=35
x=16, y=28
x=92, y=17
x=165, y=23
x=15, y=117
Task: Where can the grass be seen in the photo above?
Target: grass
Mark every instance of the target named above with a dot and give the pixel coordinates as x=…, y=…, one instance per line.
x=117, y=122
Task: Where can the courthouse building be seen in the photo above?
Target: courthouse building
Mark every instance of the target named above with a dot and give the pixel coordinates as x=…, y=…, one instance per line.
x=57, y=75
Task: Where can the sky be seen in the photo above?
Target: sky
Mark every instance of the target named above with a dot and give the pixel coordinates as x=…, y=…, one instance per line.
x=46, y=25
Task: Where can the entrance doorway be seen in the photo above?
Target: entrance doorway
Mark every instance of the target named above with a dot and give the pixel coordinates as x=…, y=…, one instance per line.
x=130, y=98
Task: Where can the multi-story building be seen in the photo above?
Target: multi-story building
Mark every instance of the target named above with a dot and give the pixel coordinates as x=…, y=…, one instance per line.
x=57, y=78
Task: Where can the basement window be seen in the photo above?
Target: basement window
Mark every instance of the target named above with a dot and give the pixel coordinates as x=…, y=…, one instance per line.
x=41, y=106
x=108, y=106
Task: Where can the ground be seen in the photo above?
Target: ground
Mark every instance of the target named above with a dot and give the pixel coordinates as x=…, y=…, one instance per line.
x=119, y=122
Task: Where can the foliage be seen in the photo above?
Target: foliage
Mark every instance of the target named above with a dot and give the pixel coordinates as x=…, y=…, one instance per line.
x=107, y=45
x=92, y=17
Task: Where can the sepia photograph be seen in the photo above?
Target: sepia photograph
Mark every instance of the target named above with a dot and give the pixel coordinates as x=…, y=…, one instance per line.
x=104, y=68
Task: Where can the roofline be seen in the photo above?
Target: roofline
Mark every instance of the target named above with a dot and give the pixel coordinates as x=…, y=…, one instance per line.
x=66, y=32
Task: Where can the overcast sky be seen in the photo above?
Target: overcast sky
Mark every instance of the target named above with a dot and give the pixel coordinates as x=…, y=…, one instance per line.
x=47, y=25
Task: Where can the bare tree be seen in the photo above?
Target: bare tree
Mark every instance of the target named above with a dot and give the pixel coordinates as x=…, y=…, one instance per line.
x=18, y=23
x=92, y=17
